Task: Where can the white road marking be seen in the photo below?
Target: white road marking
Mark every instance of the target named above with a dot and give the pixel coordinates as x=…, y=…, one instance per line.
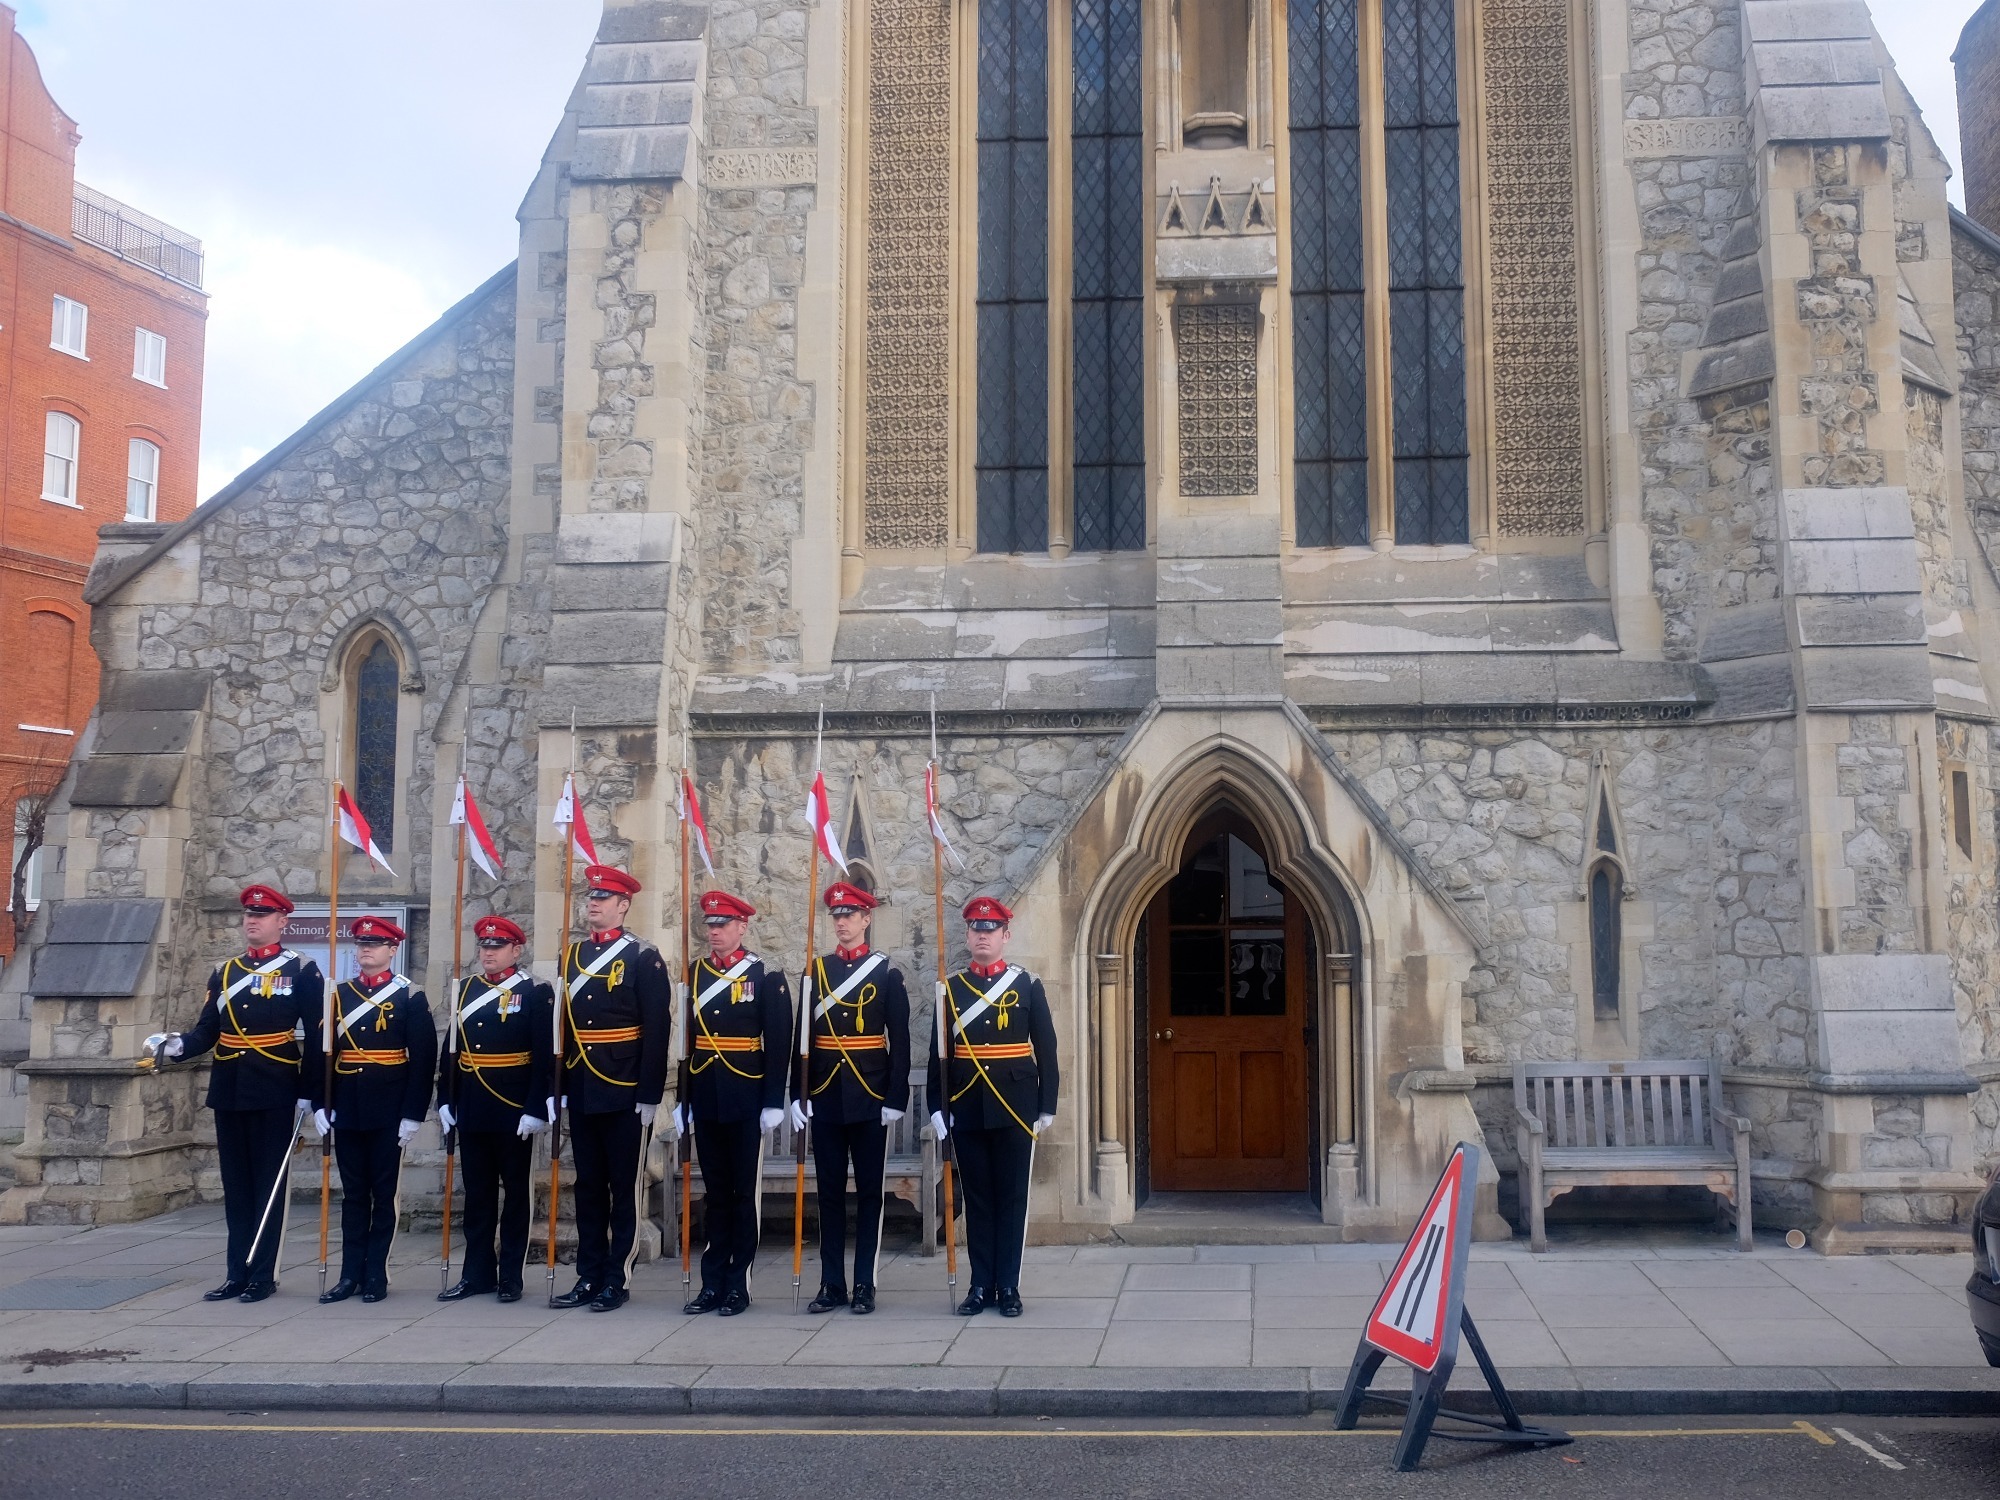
x=1868, y=1448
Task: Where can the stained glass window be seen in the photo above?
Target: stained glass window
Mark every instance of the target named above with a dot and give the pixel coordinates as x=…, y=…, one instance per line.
x=1426, y=283
x=1011, y=461
x=375, y=687
x=1108, y=471
x=1329, y=361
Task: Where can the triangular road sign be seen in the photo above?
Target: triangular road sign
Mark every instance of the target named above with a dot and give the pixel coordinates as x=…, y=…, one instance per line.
x=1418, y=1308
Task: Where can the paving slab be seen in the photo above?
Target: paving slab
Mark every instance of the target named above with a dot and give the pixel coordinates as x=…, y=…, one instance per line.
x=112, y=1384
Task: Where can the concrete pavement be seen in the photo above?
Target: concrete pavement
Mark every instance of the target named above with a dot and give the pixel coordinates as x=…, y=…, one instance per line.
x=1633, y=1322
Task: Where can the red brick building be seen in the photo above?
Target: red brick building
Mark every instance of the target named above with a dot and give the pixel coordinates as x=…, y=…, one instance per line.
x=101, y=326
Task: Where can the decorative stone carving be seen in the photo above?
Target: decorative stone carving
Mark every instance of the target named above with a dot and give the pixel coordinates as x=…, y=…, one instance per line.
x=906, y=431
x=1216, y=344
x=1536, y=330
x=761, y=168
x=1698, y=135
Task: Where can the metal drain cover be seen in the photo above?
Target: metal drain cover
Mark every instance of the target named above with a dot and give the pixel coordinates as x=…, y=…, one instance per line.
x=77, y=1293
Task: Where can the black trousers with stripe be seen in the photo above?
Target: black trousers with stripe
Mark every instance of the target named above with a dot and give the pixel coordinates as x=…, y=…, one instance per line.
x=371, y=1167
x=994, y=1165
x=863, y=1143
x=252, y=1149
x=729, y=1155
x=496, y=1165
x=606, y=1151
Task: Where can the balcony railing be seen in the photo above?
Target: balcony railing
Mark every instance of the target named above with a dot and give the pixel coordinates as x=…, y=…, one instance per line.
x=103, y=221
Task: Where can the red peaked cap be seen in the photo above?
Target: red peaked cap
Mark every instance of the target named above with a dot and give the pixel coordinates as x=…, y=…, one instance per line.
x=605, y=878
x=986, y=909
x=263, y=895
x=379, y=928
x=842, y=896
x=499, y=927
x=721, y=905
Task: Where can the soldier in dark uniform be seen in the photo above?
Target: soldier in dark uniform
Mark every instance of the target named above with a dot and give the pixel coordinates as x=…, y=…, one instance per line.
x=384, y=1053
x=617, y=1007
x=263, y=1017
x=493, y=1085
x=996, y=1094
x=856, y=1084
x=741, y=1036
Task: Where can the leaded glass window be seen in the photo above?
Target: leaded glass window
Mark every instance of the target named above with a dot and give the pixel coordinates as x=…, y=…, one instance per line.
x=1011, y=464
x=1107, y=173
x=376, y=683
x=1607, y=891
x=1329, y=359
x=1426, y=284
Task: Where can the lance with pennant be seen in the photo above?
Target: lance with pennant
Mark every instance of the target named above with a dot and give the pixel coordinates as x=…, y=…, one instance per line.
x=566, y=812
x=824, y=841
x=946, y=1149
x=451, y=1027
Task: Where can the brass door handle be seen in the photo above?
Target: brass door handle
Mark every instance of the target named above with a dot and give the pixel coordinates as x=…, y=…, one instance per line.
x=1164, y=1036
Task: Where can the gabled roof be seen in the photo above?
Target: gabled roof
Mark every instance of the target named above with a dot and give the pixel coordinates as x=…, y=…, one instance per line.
x=102, y=588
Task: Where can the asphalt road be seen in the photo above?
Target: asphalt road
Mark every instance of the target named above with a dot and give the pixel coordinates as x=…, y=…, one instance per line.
x=184, y=1456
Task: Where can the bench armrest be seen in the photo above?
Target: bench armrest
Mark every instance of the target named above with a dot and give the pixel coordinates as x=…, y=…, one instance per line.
x=1528, y=1121
x=1735, y=1124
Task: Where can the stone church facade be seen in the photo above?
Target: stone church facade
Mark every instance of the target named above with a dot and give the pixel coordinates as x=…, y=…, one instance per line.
x=1438, y=534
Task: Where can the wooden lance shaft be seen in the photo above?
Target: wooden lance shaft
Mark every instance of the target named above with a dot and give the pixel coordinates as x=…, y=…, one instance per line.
x=805, y=1060
x=451, y=1033
x=562, y=1005
x=683, y=1090
x=326, y=1029
x=943, y=1104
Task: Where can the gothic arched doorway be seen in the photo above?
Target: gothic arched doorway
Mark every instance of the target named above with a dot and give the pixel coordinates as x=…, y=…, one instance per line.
x=1230, y=1018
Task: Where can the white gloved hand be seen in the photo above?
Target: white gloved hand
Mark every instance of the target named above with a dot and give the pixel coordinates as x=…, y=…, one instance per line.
x=646, y=1113
x=406, y=1131
x=530, y=1125
x=938, y=1126
x=552, y=1108
x=802, y=1111
x=770, y=1119
x=1043, y=1122
x=683, y=1120
x=447, y=1117
x=890, y=1116
x=322, y=1122
x=166, y=1042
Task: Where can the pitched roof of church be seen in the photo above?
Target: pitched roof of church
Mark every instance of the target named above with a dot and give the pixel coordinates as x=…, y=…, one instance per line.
x=102, y=585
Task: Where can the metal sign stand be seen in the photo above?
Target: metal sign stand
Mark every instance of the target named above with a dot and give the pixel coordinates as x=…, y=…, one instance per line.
x=1419, y=1318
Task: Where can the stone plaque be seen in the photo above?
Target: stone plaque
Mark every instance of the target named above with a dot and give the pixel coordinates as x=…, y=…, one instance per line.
x=1707, y=135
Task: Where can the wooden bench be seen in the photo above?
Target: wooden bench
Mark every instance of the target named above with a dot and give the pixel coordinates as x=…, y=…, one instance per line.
x=911, y=1172
x=1627, y=1124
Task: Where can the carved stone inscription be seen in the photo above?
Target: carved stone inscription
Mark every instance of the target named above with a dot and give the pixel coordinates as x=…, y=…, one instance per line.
x=1703, y=135
x=1216, y=347
x=906, y=436
x=1533, y=276
x=761, y=168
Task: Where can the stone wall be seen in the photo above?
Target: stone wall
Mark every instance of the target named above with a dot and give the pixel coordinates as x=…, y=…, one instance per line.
x=394, y=512
x=1701, y=490
x=758, y=415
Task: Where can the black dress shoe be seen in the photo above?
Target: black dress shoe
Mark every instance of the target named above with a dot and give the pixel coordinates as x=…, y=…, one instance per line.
x=610, y=1299
x=576, y=1296
x=374, y=1293
x=510, y=1294
x=341, y=1290
x=974, y=1303
x=864, y=1299
x=459, y=1290
x=1009, y=1302
x=734, y=1303
x=257, y=1291
x=703, y=1301
x=827, y=1300
x=225, y=1292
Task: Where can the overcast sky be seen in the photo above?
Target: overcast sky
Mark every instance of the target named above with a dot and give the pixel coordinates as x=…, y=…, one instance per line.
x=353, y=169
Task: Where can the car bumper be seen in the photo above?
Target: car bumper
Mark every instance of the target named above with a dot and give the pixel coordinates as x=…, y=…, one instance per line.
x=1982, y=1298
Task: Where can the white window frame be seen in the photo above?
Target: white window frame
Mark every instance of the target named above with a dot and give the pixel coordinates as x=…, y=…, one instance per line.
x=52, y=423
x=144, y=486
x=149, y=349
x=70, y=320
x=34, y=881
